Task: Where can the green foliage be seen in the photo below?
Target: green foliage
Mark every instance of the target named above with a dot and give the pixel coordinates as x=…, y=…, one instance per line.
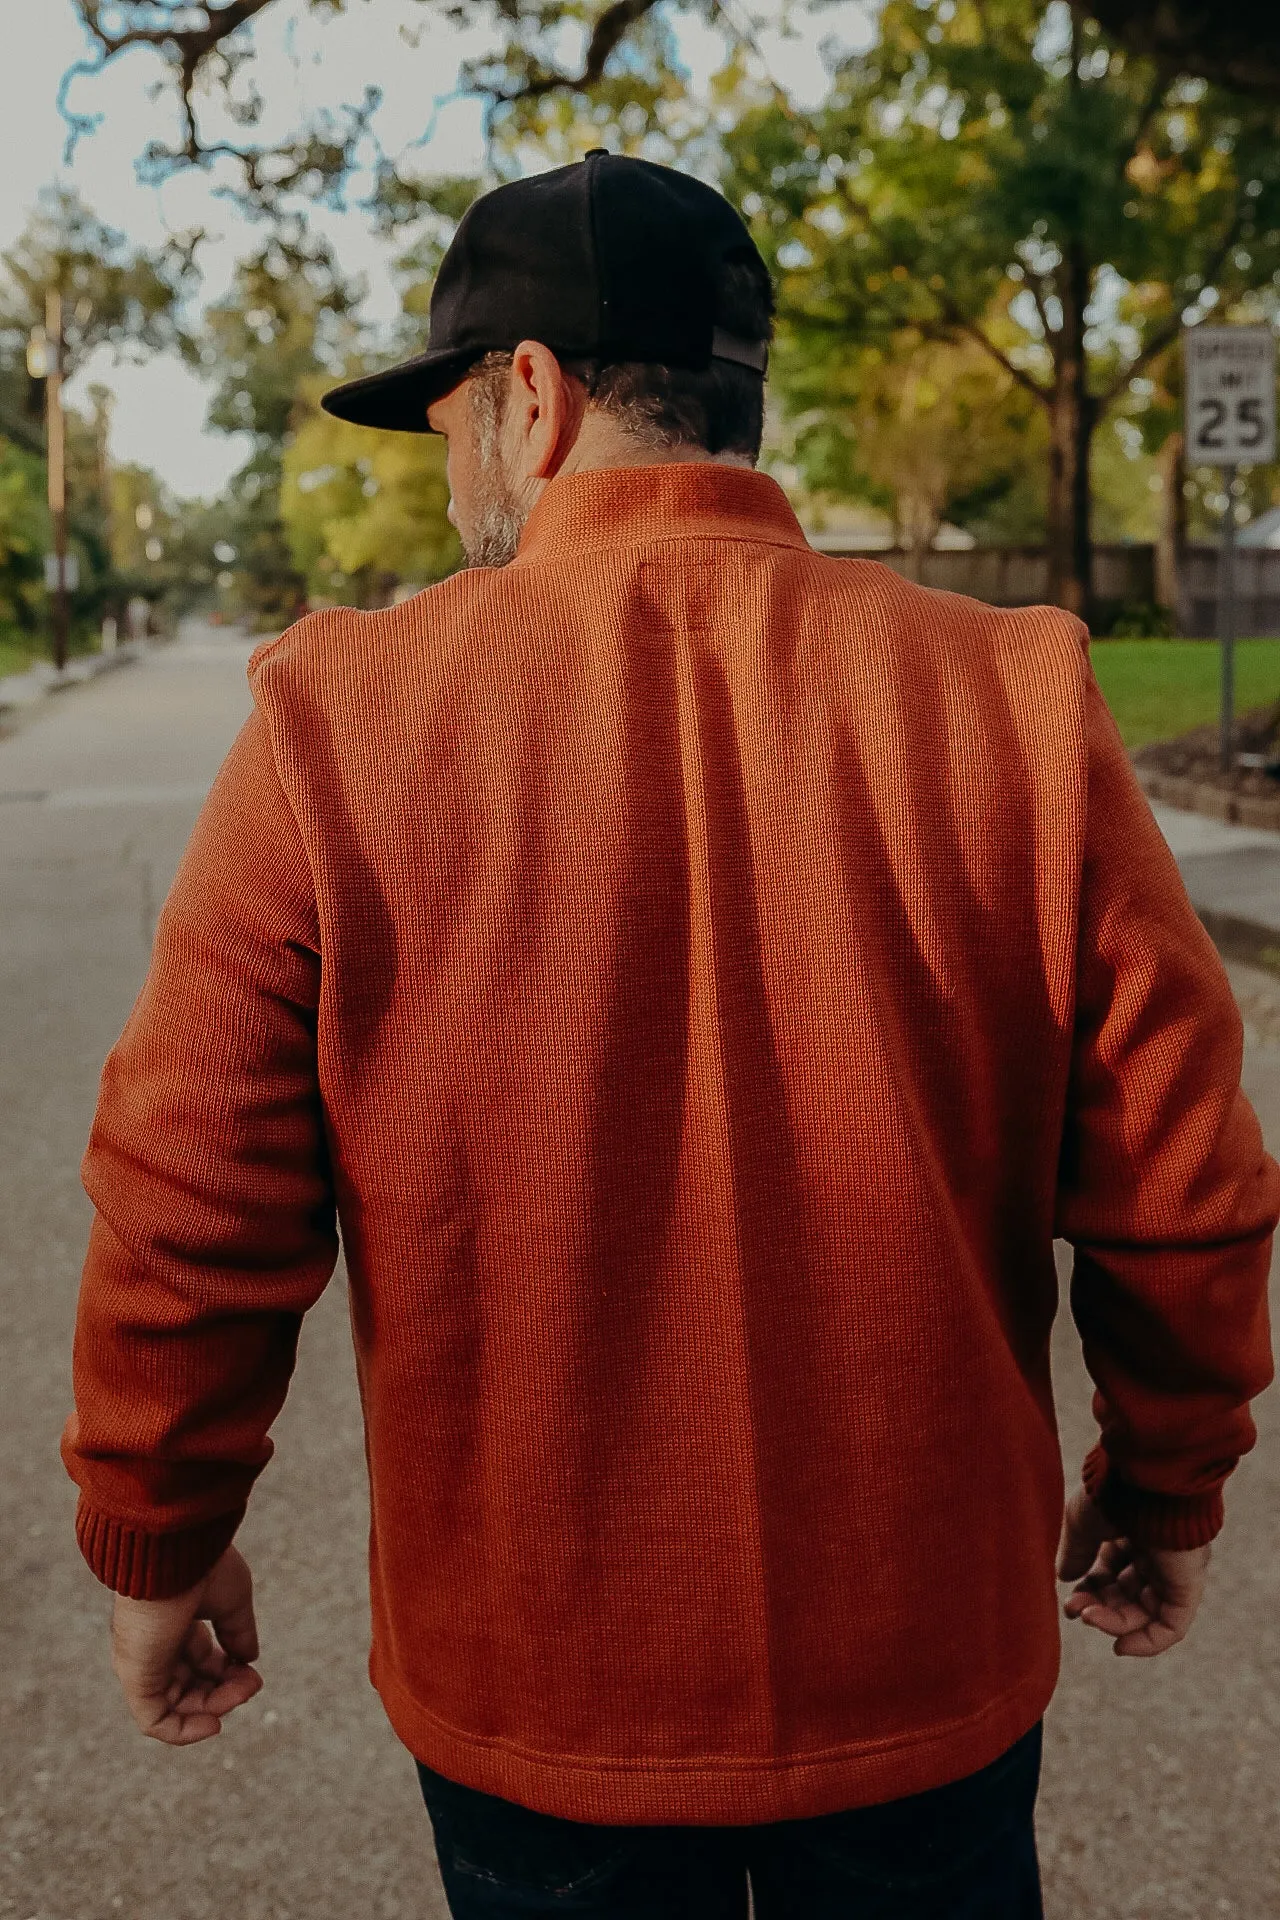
x=112, y=294
x=928, y=430
x=288, y=318
x=364, y=511
x=1142, y=620
x=24, y=535
x=995, y=171
x=290, y=311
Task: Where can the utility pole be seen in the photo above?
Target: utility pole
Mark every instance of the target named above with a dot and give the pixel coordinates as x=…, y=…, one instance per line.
x=56, y=445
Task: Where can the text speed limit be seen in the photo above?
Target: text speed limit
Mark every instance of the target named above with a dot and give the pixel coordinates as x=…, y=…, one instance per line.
x=1230, y=396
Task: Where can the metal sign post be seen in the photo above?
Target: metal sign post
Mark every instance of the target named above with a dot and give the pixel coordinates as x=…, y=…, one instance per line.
x=1230, y=422
x=1227, y=622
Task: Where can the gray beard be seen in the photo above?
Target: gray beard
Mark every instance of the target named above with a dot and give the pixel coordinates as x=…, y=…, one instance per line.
x=499, y=525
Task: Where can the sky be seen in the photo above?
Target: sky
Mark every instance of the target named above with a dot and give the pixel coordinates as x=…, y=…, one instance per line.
x=304, y=61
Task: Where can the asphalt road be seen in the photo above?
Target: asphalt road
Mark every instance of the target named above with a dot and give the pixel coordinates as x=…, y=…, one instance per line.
x=1161, y=1778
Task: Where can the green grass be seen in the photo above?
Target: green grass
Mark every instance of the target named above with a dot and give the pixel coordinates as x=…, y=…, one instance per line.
x=19, y=650
x=1159, y=688
x=15, y=652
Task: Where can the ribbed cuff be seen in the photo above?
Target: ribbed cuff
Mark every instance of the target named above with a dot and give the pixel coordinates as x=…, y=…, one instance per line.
x=151, y=1566
x=1173, y=1521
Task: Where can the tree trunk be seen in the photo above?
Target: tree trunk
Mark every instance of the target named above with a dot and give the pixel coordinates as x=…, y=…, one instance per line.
x=1073, y=417
x=1172, y=537
x=918, y=522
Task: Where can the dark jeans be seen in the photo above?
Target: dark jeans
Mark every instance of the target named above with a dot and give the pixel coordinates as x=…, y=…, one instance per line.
x=961, y=1852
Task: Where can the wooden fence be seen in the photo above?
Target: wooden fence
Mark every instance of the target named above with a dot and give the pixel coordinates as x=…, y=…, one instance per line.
x=1122, y=576
x=1257, y=583
x=1017, y=576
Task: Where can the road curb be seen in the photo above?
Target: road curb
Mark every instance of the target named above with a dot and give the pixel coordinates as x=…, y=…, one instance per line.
x=19, y=691
x=1198, y=796
x=1246, y=940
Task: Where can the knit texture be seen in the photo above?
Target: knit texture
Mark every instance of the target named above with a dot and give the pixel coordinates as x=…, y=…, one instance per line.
x=701, y=978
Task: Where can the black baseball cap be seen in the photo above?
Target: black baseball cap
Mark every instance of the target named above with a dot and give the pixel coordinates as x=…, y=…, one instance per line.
x=610, y=258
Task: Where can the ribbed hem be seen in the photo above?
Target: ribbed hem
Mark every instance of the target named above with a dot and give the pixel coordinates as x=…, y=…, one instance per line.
x=1173, y=1521
x=151, y=1566
x=634, y=1789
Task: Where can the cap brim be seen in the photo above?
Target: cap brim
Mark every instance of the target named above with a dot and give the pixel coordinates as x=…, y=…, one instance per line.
x=397, y=398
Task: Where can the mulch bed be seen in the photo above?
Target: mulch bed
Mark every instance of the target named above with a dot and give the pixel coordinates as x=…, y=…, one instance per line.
x=1185, y=772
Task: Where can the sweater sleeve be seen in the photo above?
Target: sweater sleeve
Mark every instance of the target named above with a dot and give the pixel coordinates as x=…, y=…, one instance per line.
x=214, y=1226
x=1165, y=1190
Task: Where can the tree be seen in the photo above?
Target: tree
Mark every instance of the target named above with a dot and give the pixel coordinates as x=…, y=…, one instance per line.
x=1236, y=46
x=929, y=430
x=112, y=295
x=24, y=535
x=995, y=171
x=364, y=512
x=288, y=317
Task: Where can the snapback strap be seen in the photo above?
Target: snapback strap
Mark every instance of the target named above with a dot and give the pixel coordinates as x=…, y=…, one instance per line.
x=744, y=353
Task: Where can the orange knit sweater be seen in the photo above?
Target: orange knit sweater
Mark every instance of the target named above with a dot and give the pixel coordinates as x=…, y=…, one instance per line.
x=698, y=979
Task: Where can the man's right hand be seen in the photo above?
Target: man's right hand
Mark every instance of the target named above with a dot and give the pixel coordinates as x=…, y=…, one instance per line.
x=1145, y=1598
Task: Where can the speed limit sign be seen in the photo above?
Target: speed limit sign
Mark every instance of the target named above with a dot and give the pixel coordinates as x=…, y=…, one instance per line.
x=1231, y=396
x=1229, y=422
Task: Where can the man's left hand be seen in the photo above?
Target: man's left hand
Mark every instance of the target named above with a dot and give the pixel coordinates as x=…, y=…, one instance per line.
x=184, y=1663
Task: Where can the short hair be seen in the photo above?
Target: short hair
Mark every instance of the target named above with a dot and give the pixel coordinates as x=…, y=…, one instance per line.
x=718, y=408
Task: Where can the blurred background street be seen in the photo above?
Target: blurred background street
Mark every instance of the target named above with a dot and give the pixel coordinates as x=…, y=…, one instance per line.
x=1160, y=1778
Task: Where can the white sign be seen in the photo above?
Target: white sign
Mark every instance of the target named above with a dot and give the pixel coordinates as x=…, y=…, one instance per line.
x=1230, y=396
x=70, y=575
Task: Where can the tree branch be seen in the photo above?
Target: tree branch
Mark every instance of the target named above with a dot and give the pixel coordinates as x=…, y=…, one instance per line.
x=191, y=44
x=186, y=47
x=187, y=37
x=1035, y=286
x=1235, y=45
x=1165, y=335
x=612, y=26
x=1024, y=379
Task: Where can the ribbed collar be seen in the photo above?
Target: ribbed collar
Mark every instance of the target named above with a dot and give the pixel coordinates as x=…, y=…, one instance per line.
x=638, y=506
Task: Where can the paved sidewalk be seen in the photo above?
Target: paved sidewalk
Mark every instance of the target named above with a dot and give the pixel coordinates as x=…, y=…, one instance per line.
x=1233, y=877
x=42, y=678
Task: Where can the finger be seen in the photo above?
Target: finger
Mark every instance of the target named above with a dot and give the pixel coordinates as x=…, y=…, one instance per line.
x=1113, y=1557
x=229, y=1606
x=235, y=1690
x=1122, y=1590
x=237, y=1686
x=1157, y=1636
x=1130, y=1583
x=183, y=1730
x=1115, y=1617
x=1104, y=1581
x=154, y=1714
x=178, y=1685
x=203, y=1653
x=1083, y=1530
x=198, y=1641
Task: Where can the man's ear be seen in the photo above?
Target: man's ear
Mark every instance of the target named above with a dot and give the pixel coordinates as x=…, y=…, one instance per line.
x=544, y=412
